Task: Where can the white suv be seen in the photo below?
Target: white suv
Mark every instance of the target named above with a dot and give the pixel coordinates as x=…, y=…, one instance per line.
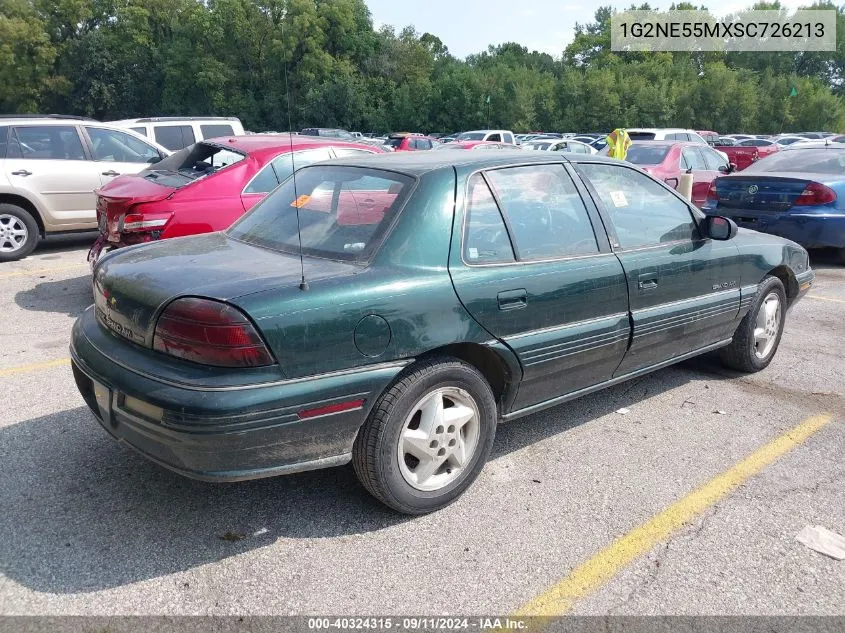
x=496, y=136
x=176, y=132
x=49, y=169
x=664, y=134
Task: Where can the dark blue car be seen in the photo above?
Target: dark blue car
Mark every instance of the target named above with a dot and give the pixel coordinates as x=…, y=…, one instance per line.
x=798, y=193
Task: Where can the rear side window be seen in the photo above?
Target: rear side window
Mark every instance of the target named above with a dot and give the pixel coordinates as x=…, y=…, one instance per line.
x=344, y=212
x=692, y=159
x=486, y=239
x=213, y=130
x=545, y=212
x=713, y=160
x=643, y=212
x=508, y=138
x=45, y=142
x=139, y=130
x=174, y=137
x=496, y=138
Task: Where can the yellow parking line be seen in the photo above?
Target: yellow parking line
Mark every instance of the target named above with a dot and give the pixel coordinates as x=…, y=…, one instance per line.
x=34, y=367
x=820, y=298
x=598, y=570
x=42, y=271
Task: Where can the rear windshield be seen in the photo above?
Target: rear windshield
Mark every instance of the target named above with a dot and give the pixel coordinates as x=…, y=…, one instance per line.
x=642, y=136
x=344, y=212
x=471, y=136
x=647, y=154
x=189, y=164
x=817, y=161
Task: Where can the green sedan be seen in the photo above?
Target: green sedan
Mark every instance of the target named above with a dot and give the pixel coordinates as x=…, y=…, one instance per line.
x=390, y=310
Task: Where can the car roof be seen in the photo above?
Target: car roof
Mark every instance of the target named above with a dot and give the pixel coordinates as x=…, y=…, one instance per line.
x=41, y=120
x=166, y=119
x=419, y=163
x=255, y=143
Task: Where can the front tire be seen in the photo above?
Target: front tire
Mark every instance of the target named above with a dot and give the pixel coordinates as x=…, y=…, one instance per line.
x=758, y=335
x=18, y=233
x=428, y=436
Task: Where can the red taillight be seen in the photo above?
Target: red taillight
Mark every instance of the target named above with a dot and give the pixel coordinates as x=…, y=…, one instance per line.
x=712, y=192
x=211, y=333
x=141, y=222
x=815, y=193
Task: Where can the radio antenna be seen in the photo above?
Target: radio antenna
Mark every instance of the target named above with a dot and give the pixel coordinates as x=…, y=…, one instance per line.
x=303, y=285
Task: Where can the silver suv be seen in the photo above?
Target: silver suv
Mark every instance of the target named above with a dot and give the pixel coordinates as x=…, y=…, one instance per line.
x=49, y=169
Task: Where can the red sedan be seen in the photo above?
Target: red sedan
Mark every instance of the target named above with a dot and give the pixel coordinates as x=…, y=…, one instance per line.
x=204, y=187
x=668, y=160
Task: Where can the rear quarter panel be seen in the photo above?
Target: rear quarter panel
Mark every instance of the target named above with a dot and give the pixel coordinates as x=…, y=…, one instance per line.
x=399, y=306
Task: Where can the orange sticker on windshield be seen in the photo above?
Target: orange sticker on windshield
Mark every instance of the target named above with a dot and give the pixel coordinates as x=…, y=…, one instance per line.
x=301, y=201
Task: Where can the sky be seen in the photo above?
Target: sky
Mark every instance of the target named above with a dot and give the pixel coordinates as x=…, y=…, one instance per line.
x=468, y=26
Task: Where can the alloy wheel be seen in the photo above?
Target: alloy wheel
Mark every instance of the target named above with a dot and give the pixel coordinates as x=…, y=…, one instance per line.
x=439, y=438
x=13, y=233
x=767, y=325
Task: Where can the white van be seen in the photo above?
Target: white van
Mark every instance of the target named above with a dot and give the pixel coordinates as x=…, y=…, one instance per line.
x=174, y=132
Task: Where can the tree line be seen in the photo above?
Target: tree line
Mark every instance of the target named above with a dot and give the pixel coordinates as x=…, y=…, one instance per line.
x=298, y=63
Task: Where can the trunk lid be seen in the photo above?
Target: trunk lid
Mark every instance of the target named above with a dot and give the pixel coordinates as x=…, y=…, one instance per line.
x=117, y=198
x=772, y=193
x=132, y=285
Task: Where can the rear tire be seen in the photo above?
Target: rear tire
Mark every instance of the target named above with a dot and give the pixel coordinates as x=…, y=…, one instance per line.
x=427, y=437
x=758, y=335
x=18, y=233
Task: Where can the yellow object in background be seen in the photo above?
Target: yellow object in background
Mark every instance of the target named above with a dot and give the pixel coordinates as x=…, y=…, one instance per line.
x=618, y=143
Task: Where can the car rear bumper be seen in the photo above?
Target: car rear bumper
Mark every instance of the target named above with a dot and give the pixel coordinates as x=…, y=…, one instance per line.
x=810, y=230
x=224, y=433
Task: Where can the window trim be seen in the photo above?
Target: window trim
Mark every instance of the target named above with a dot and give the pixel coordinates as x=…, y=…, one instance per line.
x=615, y=245
x=600, y=243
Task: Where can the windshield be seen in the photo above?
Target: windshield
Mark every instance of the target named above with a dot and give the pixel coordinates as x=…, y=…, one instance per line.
x=816, y=161
x=471, y=136
x=343, y=212
x=647, y=154
x=191, y=163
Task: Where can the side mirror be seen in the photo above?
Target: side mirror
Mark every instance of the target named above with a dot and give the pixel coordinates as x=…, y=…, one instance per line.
x=720, y=228
x=727, y=169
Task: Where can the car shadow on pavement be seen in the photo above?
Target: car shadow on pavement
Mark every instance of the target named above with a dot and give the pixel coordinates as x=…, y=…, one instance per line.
x=50, y=248
x=65, y=296
x=82, y=514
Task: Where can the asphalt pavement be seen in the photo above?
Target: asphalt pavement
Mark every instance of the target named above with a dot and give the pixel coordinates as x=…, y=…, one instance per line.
x=88, y=527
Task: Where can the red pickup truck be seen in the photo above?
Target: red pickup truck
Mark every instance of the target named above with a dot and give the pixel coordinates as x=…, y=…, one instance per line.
x=743, y=155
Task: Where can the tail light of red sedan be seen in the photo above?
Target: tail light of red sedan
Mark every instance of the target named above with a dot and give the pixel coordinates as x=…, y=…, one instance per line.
x=815, y=193
x=211, y=333
x=143, y=227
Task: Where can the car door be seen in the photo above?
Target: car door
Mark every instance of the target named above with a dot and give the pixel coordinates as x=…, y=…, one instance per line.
x=534, y=268
x=278, y=170
x=683, y=288
x=117, y=153
x=51, y=164
x=692, y=162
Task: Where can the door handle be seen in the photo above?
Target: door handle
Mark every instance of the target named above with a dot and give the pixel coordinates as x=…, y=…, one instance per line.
x=512, y=299
x=22, y=172
x=111, y=172
x=647, y=281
